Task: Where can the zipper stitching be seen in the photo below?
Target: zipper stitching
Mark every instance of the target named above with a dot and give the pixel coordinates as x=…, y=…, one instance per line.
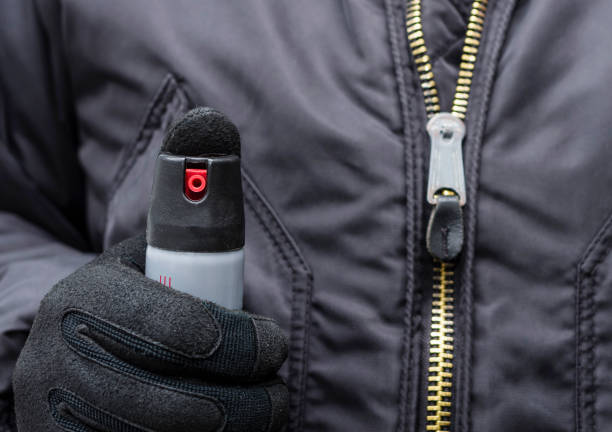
x=441, y=341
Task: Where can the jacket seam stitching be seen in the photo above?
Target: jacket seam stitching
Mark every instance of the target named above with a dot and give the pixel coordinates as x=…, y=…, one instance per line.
x=294, y=301
x=493, y=50
x=288, y=244
x=407, y=407
x=585, y=382
x=163, y=97
x=296, y=317
x=586, y=280
x=168, y=93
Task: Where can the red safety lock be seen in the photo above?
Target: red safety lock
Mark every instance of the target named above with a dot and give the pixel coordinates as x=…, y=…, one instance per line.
x=195, y=183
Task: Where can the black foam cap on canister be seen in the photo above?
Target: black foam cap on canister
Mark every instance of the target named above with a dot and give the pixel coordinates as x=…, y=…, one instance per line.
x=202, y=131
x=206, y=139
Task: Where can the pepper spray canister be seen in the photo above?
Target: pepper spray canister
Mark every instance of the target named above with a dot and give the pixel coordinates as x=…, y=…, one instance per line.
x=195, y=225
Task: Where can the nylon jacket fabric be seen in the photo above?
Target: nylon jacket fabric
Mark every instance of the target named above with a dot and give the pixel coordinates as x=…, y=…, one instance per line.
x=335, y=153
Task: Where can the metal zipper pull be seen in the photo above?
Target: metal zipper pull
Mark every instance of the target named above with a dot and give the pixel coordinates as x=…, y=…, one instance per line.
x=446, y=186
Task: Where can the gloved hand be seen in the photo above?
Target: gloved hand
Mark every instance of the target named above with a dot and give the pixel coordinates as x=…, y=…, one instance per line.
x=113, y=351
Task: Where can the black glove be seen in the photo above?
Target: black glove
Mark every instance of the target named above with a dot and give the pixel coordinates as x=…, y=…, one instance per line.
x=113, y=351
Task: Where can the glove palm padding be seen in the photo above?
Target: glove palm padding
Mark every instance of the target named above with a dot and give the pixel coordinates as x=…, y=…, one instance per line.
x=111, y=350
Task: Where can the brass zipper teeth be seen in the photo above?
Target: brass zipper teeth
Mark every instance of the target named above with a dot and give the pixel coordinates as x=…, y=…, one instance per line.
x=468, y=57
x=440, y=372
x=441, y=346
x=414, y=29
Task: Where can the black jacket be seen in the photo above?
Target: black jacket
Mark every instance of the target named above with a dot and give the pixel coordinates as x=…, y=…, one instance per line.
x=335, y=154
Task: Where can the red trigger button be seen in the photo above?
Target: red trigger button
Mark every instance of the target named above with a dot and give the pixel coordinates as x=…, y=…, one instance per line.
x=195, y=183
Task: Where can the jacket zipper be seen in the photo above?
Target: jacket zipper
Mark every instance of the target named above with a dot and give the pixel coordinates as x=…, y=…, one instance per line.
x=446, y=193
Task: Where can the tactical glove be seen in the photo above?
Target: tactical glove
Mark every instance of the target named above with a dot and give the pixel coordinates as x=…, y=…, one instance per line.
x=113, y=351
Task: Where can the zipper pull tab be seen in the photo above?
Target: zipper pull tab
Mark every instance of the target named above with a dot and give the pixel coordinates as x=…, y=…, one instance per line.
x=446, y=186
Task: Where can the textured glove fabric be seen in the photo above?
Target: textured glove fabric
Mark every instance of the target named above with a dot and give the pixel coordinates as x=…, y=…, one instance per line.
x=113, y=351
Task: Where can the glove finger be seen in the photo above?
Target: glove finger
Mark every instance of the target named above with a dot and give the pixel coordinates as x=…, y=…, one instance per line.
x=161, y=404
x=73, y=412
x=250, y=345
